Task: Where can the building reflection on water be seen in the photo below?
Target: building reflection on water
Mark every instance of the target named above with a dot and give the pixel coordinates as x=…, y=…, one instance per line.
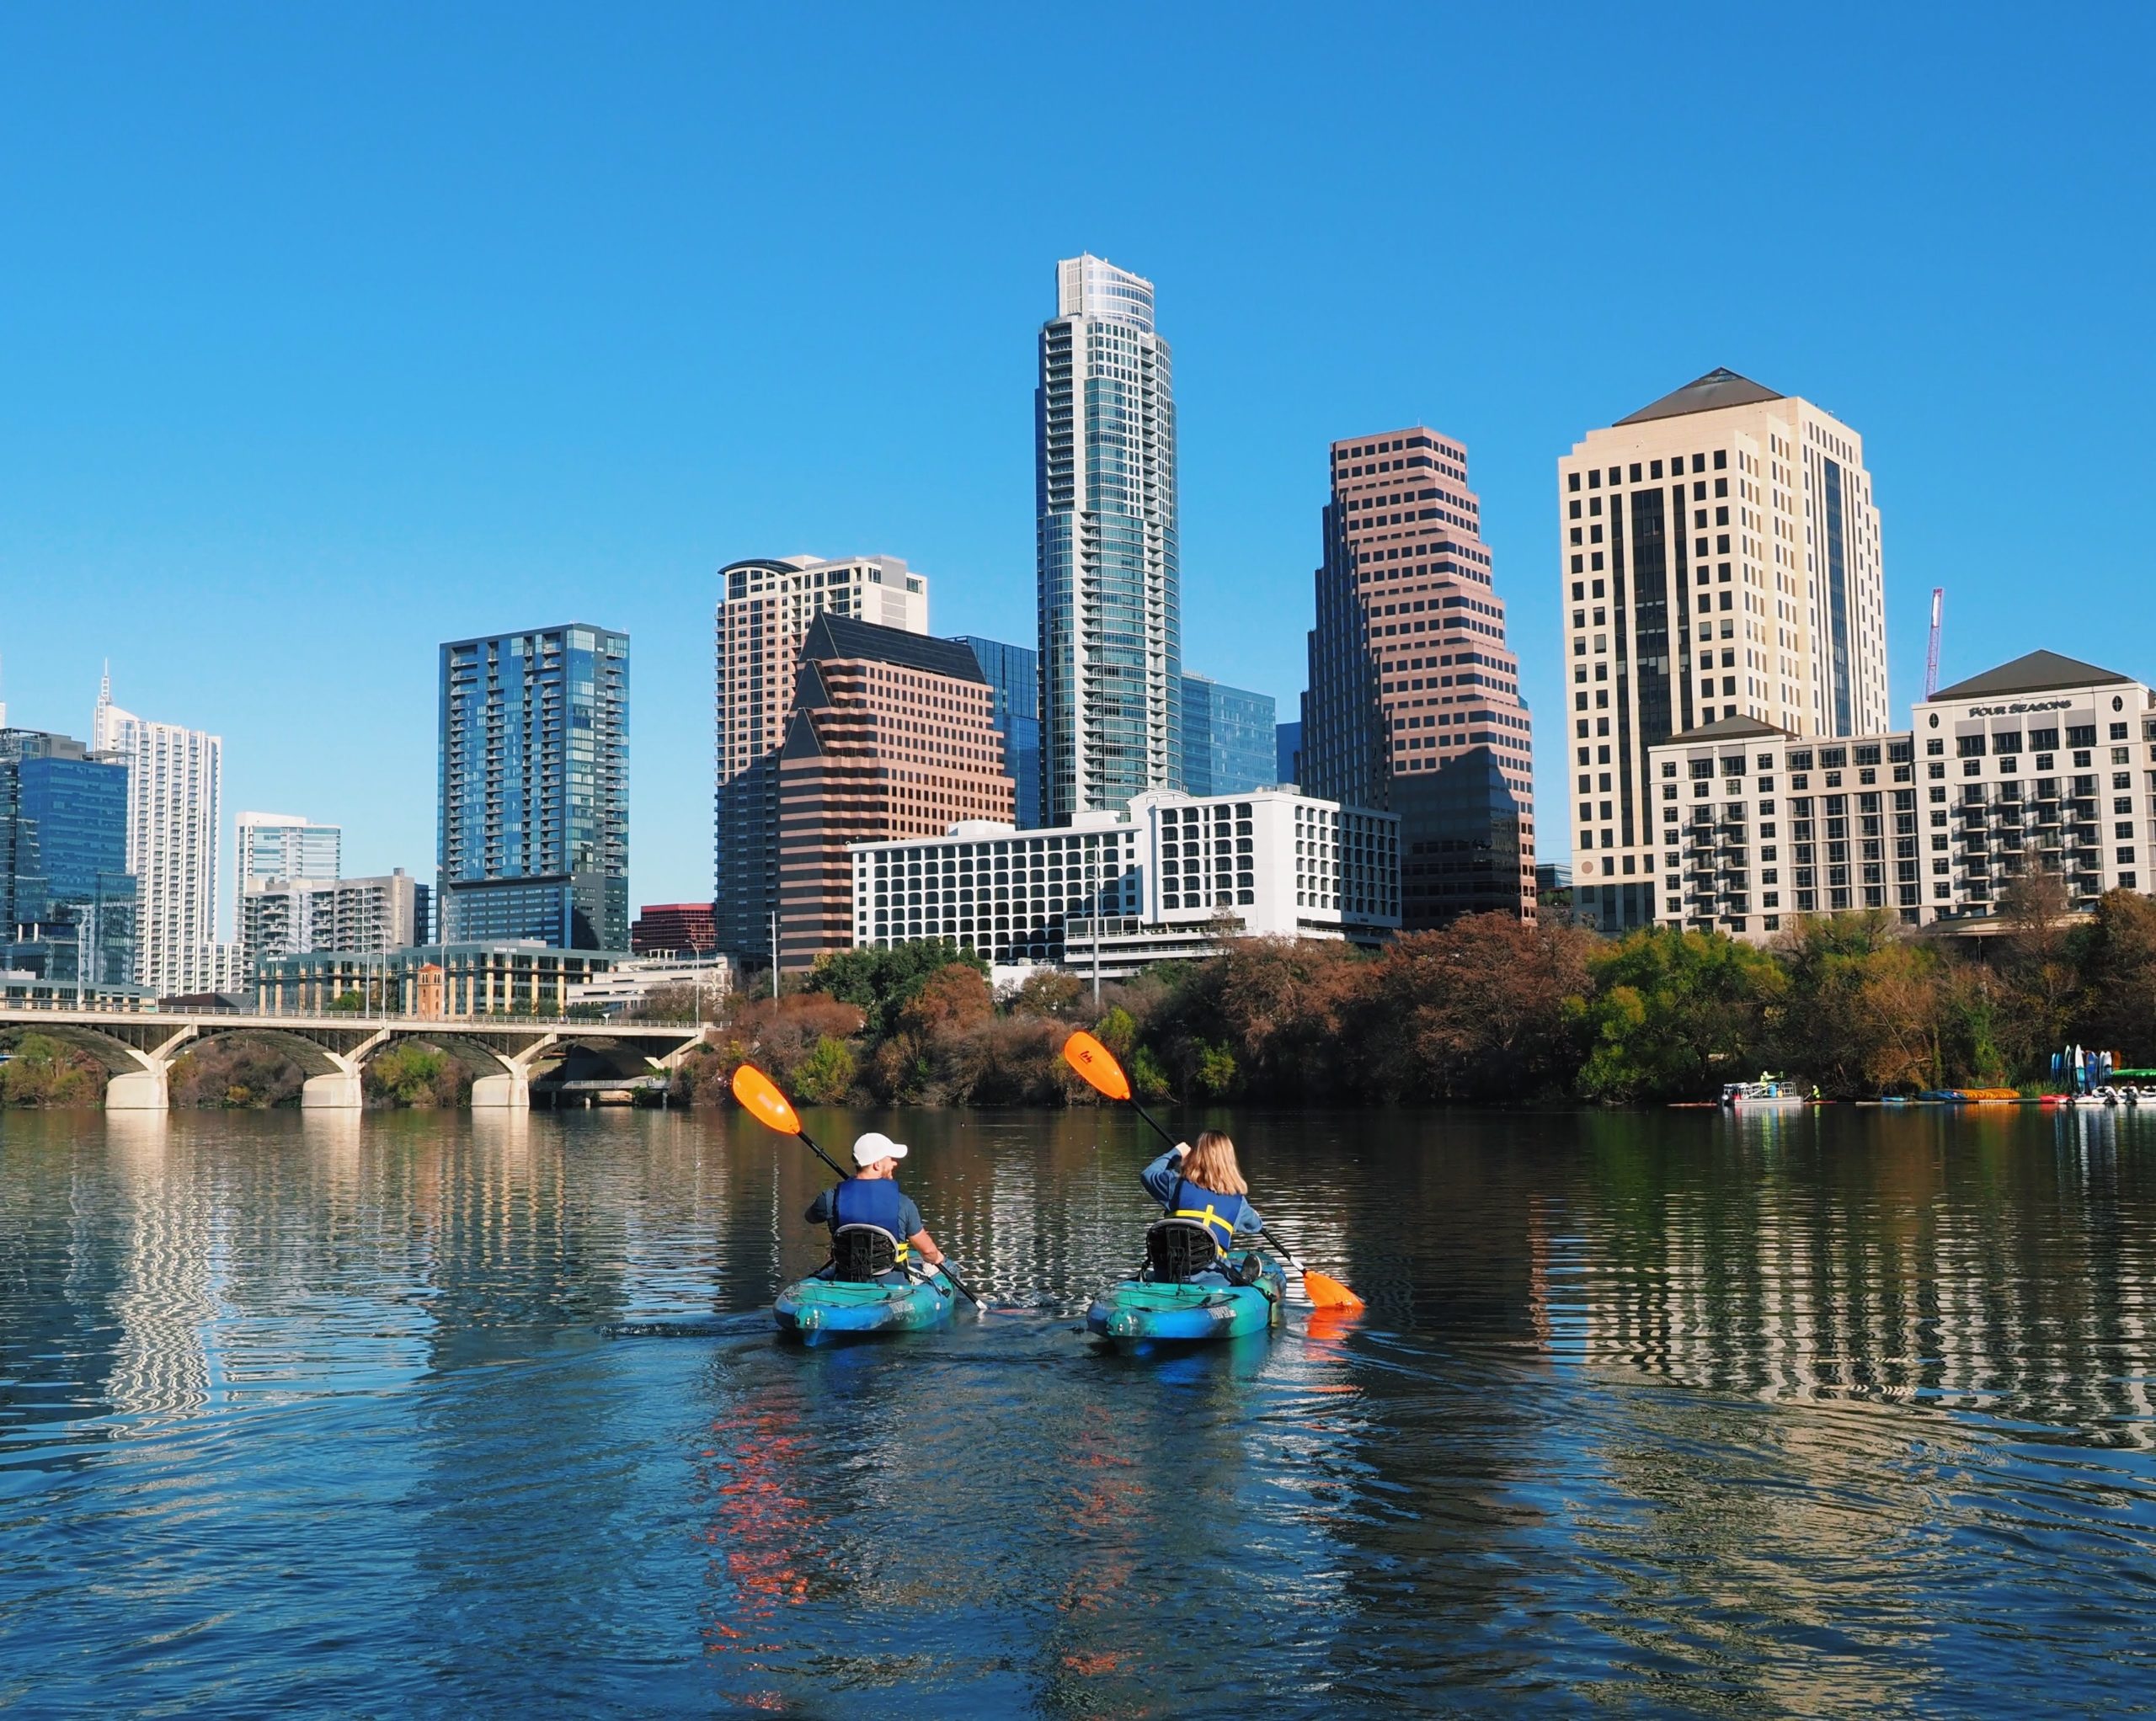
x=1939, y=1256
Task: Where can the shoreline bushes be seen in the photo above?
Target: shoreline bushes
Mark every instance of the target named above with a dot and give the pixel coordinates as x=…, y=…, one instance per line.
x=1484, y=1011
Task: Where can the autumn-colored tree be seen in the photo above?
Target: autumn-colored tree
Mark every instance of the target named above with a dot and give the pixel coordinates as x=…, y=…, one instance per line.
x=949, y=1001
x=1050, y=992
x=2035, y=961
x=1485, y=1008
x=880, y=981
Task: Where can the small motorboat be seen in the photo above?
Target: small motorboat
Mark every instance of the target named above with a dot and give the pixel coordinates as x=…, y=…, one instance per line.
x=1768, y=1094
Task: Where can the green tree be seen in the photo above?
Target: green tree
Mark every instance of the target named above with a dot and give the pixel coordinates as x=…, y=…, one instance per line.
x=881, y=982
x=1674, y=1014
x=826, y=1076
x=41, y=1072
x=2115, y=1005
x=1859, y=1012
x=348, y=1001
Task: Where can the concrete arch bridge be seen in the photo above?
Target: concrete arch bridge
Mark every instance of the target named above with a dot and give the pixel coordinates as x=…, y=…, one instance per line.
x=505, y=1055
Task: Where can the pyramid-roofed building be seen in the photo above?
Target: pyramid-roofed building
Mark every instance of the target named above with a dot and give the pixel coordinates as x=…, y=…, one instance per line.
x=1720, y=388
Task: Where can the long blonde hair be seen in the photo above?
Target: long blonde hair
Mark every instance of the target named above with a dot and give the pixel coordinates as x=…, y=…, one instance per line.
x=1211, y=1164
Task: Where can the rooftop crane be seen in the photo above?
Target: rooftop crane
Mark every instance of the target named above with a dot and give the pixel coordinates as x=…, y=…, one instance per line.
x=1931, y=657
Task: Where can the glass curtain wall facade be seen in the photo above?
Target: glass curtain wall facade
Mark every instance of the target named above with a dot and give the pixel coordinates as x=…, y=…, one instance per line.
x=534, y=838
x=67, y=908
x=284, y=845
x=1229, y=743
x=1013, y=675
x=1111, y=628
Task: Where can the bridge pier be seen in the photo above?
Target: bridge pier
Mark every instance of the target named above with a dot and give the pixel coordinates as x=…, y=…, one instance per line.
x=340, y=1090
x=509, y=1092
x=139, y=1090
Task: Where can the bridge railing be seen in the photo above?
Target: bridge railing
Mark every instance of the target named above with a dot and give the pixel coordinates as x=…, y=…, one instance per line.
x=354, y=1018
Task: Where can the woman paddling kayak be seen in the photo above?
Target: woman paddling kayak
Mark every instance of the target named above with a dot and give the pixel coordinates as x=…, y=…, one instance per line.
x=1203, y=1184
x=1190, y=1289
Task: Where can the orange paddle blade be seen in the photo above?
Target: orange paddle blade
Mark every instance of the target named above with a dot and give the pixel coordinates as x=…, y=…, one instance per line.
x=1328, y=1292
x=1098, y=1065
x=760, y=1095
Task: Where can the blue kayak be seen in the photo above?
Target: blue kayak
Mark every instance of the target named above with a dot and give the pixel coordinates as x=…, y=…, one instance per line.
x=895, y=1302
x=1188, y=1311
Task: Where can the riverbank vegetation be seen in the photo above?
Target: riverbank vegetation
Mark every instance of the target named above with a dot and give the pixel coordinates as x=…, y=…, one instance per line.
x=1485, y=1010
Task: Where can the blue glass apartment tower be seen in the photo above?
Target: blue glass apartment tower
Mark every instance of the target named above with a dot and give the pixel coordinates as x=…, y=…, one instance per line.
x=1110, y=624
x=534, y=835
x=67, y=902
x=1228, y=743
x=1013, y=676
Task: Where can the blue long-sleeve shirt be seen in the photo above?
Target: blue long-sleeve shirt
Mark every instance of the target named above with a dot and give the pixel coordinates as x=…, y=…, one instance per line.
x=1164, y=1172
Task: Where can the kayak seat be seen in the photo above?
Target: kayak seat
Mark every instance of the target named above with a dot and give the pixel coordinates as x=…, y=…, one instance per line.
x=1176, y=1249
x=861, y=1253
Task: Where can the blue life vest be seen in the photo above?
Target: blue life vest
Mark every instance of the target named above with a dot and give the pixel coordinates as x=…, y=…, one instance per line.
x=1216, y=1213
x=870, y=1201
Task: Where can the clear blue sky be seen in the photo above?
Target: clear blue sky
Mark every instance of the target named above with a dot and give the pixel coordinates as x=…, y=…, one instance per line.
x=329, y=333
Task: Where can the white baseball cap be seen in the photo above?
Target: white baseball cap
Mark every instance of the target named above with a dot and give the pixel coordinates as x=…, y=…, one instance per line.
x=868, y=1149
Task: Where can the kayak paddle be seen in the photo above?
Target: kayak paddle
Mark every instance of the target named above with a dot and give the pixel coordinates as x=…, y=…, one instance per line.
x=1098, y=1065
x=760, y=1097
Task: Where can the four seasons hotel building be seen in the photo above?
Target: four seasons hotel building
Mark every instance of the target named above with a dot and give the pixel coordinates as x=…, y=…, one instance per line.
x=1721, y=563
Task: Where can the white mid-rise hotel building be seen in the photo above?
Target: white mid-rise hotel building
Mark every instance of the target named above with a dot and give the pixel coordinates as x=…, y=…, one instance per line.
x=1167, y=877
x=1722, y=560
x=2041, y=765
x=175, y=797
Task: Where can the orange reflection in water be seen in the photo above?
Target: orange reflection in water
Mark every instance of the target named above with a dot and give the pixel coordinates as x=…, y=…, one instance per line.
x=762, y=1524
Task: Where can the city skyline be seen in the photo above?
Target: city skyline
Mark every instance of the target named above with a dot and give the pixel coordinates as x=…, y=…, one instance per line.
x=428, y=418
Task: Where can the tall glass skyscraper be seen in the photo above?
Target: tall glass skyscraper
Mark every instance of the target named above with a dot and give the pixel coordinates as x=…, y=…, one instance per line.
x=1110, y=624
x=68, y=906
x=534, y=838
x=1228, y=742
x=1013, y=676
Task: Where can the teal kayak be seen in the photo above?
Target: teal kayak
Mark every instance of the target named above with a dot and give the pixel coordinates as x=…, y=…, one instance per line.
x=896, y=1302
x=1191, y=1311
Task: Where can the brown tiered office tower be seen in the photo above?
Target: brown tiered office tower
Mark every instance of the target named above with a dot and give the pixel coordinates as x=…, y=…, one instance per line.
x=892, y=734
x=1414, y=705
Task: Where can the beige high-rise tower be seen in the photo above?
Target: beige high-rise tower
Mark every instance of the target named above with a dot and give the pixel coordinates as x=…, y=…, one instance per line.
x=1722, y=560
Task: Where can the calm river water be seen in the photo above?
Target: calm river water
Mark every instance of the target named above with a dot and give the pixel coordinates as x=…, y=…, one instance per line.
x=1845, y=1414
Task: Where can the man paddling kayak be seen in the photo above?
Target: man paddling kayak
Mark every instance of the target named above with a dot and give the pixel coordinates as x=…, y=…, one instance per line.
x=872, y=1196
x=1203, y=1184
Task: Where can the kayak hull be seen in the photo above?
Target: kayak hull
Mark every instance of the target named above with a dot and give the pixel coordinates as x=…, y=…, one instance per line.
x=1140, y=1312
x=819, y=1307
